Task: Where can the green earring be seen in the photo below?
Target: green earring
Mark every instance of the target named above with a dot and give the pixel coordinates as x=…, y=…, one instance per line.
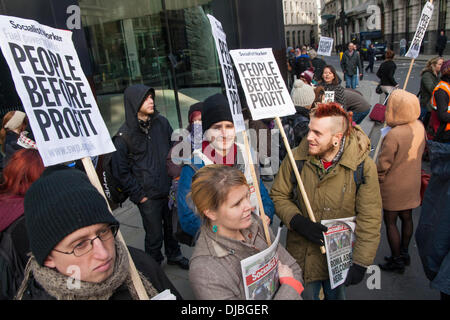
x=214, y=228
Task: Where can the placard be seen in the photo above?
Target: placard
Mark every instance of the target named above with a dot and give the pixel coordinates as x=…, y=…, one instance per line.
x=228, y=73
x=63, y=114
x=264, y=87
x=422, y=26
x=325, y=46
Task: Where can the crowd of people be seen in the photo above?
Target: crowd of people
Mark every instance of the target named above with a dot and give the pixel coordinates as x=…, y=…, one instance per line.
x=53, y=219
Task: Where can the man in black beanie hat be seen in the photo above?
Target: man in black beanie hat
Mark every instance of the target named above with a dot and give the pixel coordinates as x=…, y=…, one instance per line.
x=72, y=238
x=142, y=144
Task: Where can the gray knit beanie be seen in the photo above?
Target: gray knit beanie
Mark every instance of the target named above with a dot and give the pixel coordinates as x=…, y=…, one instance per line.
x=302, y=94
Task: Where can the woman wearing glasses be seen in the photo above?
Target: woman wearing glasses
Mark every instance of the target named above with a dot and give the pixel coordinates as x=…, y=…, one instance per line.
x=75, y=255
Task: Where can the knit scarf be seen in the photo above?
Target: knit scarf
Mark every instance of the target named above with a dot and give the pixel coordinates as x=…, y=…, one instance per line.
x=56, y=284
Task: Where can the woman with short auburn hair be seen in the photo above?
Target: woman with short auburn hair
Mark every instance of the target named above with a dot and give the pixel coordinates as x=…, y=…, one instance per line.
x=230, y=232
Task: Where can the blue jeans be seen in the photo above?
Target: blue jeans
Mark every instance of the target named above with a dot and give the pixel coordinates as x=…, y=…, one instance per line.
x=359, y=116
x=158, y=228
x=350, y=81
x=312, y=290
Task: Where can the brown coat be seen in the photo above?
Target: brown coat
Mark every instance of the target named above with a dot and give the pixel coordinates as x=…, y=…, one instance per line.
x=400, y=160
x=215, y=266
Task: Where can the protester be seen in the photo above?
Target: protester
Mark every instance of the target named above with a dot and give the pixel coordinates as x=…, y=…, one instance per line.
x=296, y=125
x=14, y=122
x=399, y=172
x=430, y=79
x=73, y=243
x=440, y=100
x=290, y=56
x=230, y=233
x=386, y=73
x=432, y=234
x=331, y=155
x=403, y=44
x=351, y=66
x=176, y=155
x=331, y=82
x=356, y=103
x=24, y=167
x=302, y=63
x=319, y=91
x=370, y=57
x=142, y=144
x=219, y=147
x=307, y=76
x=317, y=63
x=441, y=43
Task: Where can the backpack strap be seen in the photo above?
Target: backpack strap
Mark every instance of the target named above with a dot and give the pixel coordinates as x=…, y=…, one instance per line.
x=299, y=164
x=358, y=175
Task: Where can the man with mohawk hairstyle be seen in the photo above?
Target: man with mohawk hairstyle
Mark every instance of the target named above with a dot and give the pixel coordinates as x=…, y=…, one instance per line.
x=341, y=181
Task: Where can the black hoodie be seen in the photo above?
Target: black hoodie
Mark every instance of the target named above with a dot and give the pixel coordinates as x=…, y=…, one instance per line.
x=140, y=160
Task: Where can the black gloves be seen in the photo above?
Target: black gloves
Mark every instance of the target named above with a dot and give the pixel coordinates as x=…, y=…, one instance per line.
x=355, y=275
x=308, y=229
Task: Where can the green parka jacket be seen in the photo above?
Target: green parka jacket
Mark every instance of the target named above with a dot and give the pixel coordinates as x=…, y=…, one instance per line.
x=333, y=196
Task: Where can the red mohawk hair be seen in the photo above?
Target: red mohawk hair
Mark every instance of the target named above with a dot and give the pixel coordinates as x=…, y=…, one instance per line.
x=334, y=109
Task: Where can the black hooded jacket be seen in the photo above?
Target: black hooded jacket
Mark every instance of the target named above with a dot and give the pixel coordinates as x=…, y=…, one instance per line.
x=140, y=160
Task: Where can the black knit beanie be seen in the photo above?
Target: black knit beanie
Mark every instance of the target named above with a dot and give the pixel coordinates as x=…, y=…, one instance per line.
x=60, y=202
x=215, y=109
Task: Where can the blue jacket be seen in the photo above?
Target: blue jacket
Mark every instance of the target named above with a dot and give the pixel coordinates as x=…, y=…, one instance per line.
x=433, y=231
x=190, y=222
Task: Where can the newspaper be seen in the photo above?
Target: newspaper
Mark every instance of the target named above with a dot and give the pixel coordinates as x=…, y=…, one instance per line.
x=339, y=241
x=260, y=273
x=165, y=295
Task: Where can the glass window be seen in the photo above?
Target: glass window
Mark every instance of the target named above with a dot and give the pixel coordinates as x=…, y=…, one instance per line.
x=129, y=44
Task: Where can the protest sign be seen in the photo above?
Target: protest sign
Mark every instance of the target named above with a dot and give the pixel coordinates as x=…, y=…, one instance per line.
x=55, y=93
x=267, y=97
x=422, y=26
x=325, y=46
x=264, y=87
x=339, y=240
x=328, y=96
x=236, y=110
x=228, y=73
x=260, y=273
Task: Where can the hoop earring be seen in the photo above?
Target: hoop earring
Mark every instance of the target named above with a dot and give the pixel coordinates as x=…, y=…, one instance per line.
x=335, y=144
x=214, y=228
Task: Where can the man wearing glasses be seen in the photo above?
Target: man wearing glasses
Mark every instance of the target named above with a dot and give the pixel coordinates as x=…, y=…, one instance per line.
x=75, y=255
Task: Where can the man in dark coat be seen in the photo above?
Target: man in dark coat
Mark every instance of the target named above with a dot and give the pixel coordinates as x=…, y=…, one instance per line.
x=371, y=57
x=75, y=255
x=351, y=65
x=142, y=144
x=441, y=43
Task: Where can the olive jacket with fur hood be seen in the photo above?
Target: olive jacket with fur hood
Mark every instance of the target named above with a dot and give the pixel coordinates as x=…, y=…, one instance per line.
x=332, y=196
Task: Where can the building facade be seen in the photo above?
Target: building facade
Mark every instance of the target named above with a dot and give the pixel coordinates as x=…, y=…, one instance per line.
x=301, y=22
x=395, y=19
x=165, y=44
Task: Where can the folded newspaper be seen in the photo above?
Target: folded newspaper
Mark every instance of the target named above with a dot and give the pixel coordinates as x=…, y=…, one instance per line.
x=260, y=273
x=339, y=241
x=165, y=295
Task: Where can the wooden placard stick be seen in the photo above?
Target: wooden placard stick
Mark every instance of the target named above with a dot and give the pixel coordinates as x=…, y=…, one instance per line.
x=137, y=282
x=256, y=185
x=297, y=176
